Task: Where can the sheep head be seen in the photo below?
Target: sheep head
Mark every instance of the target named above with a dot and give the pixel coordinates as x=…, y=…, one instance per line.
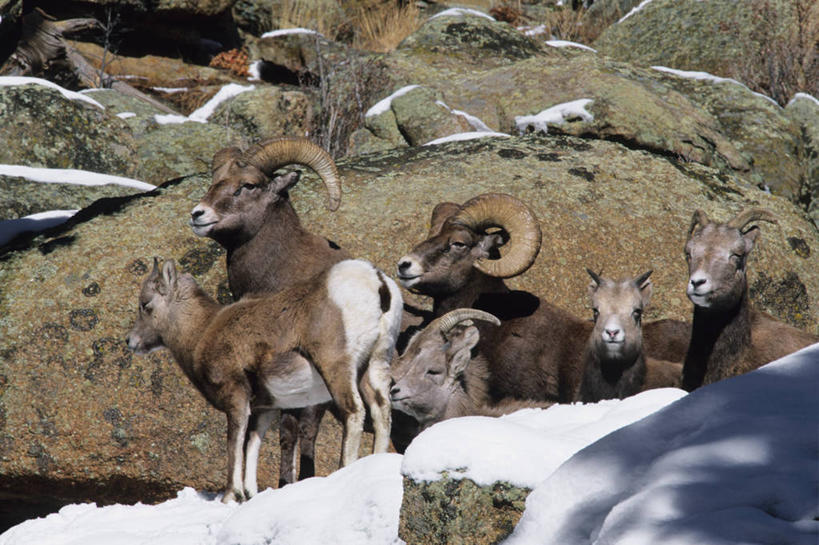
x=717, y=256
x=618, y=310
x=469, y=237
x=433, y=367
x=244, y=186
x=157, y=290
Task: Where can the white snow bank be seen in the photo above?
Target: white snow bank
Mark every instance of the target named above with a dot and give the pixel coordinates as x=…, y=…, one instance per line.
x=35, y=222
x=466, y=136
x=475, y=122
x=705, y=76
x=288, y=31
x=71, y=176
x=525, y=447
x=70, y=95
x=805, y=96
x=556, y=115
x=634, y=10
x=357, y=504
x=566, y=43
x=452, y=12
x=203, y=113
x=384, y=104
x=733, y=462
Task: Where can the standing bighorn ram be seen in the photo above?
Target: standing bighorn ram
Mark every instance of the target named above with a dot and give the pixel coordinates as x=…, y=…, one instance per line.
x=304, y=345
x=248, y=211
x=729, y=336
x=537, y=352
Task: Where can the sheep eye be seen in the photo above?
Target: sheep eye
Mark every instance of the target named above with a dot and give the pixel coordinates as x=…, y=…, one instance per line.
x=637, y=315
x=146, y=308
x=458, y=245
x=238, y=192
x=739, y=260
x=433, y=372
x=246, y=186
x=596, y=314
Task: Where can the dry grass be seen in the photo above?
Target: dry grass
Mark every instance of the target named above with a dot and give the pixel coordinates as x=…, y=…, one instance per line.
x=383, y=27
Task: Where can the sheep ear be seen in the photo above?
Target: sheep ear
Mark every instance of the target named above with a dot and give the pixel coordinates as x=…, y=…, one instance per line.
x=750, y=237
x=645, y=286
x=169, y=275
x=595, y=283
x=280, y=184
x=462, y=338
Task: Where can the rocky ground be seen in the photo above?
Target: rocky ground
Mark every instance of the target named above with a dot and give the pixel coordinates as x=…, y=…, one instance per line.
x=614, y=185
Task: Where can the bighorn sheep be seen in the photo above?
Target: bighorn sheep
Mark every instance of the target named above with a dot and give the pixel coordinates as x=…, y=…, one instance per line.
x=537, y=351
x=615, y=363
x=729, y=336
x=305, y=345
x=248, y=211
x=439, y=376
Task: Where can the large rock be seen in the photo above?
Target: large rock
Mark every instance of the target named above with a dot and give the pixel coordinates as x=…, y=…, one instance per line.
x=804, y=110
x=41, y=127
x=82, y=418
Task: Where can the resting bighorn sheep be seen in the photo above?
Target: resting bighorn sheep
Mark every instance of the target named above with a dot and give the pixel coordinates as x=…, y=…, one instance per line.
x=537, y=352
x=729, y=336
x=439, y=375
x=248, y=211
x=305, y=345
x=615, y=363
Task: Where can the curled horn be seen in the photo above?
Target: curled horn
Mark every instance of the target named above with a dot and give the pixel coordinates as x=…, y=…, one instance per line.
x=455, y=317
x=512, y=215
x=749, y=215
x=223, y=156
x=270, y=155
x=699, y=218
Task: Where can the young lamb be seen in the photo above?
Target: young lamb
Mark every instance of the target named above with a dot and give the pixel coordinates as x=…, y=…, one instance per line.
x=537, y=352
x=440, y=376
x=729, y=336
x=305, y=345
x=615, y=362
x=248, y=211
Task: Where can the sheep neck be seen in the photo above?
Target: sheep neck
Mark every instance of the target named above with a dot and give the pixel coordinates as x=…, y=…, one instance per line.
x=466, y=297
x=607, y=378
x=718, y=339
x=188, y=320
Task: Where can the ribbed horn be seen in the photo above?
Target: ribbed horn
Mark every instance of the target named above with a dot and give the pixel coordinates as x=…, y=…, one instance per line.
x=455, y=317
x=749, y=215
x=699, y=218
x=513, y=216
x=271, y=155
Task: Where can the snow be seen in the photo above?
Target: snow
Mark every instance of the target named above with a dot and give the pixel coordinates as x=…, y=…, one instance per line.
x=203, y=113
x=70, y=95
x=805, y=96
x=126, y=115
x=35, y=222
x=734, y=462
x=566, y=43
x=634, y=10
x=465, y=136
x=525, y=447
x=288, y=31
x=474, y=121
x=731, y=463
x=705, y=76
x=71, y=176
x=384, y=104
x=453, y=12
x=255, y=70
x=555, y=115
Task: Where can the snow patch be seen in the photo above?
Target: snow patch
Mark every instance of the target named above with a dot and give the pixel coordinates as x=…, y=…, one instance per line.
x=465, y=136
x=555, y=115
x=35, y=222
x=71, y=176
x=634, y=10
x=705, y=76
x=126, y=115
x=565, y=43
x=805, y=96
x=474, y=122
x=203, y=113
x=452, y=12
x=384, y=104
x=289, y=31
x=70, y=95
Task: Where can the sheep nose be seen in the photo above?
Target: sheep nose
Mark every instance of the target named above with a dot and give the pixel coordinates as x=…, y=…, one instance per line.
x=697, y=282
x=403, y=265
x=394, y=391
x=196, y=212
x=612, y=333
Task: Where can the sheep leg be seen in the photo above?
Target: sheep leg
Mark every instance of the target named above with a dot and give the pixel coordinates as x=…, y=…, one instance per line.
x=288, y=446
x=308, y=432
x=238, y=414
x=259, y=424
x=375, y=390
x=344, y=391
